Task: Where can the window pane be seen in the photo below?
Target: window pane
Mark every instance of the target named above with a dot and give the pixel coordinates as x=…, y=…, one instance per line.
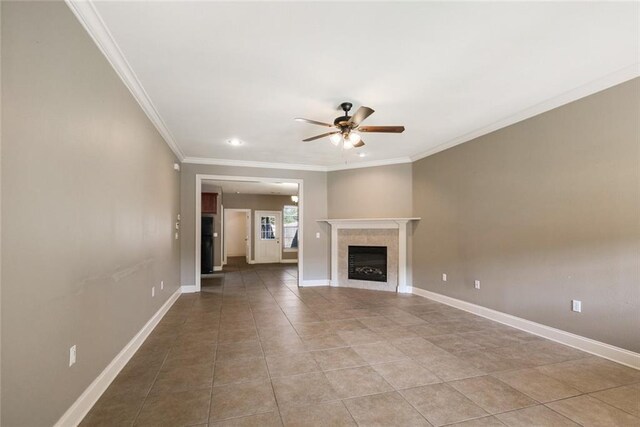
x=267, y=228
x=290, y=227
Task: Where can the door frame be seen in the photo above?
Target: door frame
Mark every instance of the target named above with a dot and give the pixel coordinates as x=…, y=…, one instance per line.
x=249, y=242
x=198, y=214
x=256, y=218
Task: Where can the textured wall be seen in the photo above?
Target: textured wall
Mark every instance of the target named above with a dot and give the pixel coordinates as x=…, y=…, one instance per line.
x=541, y=212
x=89, y=200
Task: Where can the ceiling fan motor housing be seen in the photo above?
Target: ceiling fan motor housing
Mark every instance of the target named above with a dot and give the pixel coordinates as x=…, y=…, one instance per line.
x=341, y=121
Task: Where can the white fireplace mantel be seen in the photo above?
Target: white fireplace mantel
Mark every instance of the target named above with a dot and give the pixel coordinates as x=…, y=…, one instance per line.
x=401, y=224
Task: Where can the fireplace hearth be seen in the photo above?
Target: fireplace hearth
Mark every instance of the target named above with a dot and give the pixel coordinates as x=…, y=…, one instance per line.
x=367, y=263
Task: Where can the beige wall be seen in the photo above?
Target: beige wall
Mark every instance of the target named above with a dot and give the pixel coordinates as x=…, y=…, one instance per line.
x=316, y=250
x=375, y=192
x=257, y=202
x=542, y=212
x=235, y=233
x=89, y=200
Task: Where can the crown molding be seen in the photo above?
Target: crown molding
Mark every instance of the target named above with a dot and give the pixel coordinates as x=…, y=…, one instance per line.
x=369, y=164
x=252, y=164
x=585, y=90
x=293, y=166
x=86, y=13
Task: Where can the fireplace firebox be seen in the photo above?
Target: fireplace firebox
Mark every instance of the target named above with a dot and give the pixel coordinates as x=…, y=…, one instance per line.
x=368, y=263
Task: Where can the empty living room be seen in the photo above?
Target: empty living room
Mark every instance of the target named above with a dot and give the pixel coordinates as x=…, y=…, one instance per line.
x=319, y=213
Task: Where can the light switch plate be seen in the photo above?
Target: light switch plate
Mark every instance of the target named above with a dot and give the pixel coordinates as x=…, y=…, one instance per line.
x=476, y=284
x=72, y=355
x=576, y=306
x=444, y=277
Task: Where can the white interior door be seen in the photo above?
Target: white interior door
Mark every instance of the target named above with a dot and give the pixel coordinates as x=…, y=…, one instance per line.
x=268, y=231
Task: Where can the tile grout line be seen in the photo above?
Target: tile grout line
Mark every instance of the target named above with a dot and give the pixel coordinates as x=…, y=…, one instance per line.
x=264, y=357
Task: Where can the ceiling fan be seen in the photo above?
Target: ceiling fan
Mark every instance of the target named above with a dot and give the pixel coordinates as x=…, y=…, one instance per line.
x=349, y=128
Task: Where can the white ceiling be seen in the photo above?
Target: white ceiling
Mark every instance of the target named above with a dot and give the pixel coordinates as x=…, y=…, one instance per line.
x=448, y=71
x=248, y=187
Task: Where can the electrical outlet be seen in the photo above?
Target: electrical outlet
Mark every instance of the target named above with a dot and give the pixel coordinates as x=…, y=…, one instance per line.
x=161, y=284
x=153, y=291
x=72, y=355
x=317, y=235
x=444, y=277
x=477, y=284
x=576, y=306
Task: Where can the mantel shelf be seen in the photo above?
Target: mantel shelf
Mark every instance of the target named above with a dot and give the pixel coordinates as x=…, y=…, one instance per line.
x=330, y=220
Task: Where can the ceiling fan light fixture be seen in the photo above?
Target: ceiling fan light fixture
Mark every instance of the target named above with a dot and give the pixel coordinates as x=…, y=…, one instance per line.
x=348, y=145
x=353, y=138
x=235, y=142
x=336, y=139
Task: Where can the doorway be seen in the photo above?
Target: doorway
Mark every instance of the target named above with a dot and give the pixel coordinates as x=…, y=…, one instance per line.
x=290, y=236
x=237, y=234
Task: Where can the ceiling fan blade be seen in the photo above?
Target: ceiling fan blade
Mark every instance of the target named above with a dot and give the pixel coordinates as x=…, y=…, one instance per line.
x=382, y=129
x=360, y=115
x=313, y=122
x=313, y=138
x=359, y=144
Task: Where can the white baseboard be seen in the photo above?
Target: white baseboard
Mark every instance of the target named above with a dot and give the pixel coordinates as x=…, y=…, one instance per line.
x=405, y=289
x=90, y=396
x=310, y=283
x=288, y=261
x=188, y=289
x=217, y=268
x=607, y=351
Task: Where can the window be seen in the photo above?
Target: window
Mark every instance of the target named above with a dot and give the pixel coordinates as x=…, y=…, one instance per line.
x=290, y=227
x=267, y=228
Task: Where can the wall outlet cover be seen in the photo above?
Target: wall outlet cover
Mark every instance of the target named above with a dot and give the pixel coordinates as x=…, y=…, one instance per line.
x=444, y=277
x=476, y=284
x=153, y=291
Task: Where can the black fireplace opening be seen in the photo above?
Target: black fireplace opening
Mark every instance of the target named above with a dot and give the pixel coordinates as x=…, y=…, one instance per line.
x=368, y=263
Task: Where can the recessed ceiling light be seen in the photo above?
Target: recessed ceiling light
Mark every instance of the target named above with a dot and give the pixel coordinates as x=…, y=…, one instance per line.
x=234, y=141
x=361, y=155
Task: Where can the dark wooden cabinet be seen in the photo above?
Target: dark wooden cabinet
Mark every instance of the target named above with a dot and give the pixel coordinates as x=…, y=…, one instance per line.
x=210, y=203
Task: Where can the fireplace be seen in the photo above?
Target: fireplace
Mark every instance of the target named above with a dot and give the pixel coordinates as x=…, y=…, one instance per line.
x=368, y=263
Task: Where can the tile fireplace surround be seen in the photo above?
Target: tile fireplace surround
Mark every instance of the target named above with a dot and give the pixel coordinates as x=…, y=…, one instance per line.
x=389, y=232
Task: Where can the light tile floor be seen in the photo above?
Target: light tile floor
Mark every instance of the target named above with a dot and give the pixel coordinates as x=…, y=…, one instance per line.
x=254, y=350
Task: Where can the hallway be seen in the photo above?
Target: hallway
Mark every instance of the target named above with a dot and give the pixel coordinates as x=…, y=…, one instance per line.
x=254, y=350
